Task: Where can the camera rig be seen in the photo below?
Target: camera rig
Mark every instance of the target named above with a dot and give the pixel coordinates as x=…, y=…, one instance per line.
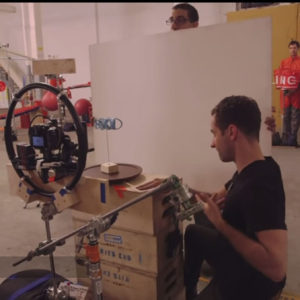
x=50, y=152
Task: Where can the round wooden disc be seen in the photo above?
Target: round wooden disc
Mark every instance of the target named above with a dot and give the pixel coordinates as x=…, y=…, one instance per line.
x=126, y=172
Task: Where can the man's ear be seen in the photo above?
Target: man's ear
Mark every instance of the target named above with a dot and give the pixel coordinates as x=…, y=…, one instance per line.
x=232, y=131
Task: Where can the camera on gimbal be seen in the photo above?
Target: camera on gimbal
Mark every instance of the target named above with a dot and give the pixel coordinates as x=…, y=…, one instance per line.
x=46, y=137
x=55, y=147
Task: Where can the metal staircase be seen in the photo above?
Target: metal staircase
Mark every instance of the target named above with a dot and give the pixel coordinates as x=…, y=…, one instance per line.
x=11, y=71
x=10, y=83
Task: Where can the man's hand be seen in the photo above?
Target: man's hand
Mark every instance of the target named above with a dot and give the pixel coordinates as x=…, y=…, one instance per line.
x=203, y=197
x=212, y=210
x=289, y=92
x=267, y=254
x=271, y=125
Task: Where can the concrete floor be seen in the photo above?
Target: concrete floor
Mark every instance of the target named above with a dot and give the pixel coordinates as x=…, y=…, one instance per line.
x=22, y=229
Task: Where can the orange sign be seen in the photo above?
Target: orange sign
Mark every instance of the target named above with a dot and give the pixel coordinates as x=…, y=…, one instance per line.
x=286, y=79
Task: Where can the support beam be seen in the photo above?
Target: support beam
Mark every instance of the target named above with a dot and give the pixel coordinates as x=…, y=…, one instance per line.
x=32, y=33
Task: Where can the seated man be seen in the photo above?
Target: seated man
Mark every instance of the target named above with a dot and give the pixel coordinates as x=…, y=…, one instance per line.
x=246, y=243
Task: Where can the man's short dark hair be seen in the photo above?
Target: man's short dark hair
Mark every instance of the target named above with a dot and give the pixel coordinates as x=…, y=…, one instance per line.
x=192, y=11
x=241, y=111
x=294, y=42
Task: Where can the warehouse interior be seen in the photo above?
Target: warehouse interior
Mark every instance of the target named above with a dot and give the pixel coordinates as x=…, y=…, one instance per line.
x=144, y=93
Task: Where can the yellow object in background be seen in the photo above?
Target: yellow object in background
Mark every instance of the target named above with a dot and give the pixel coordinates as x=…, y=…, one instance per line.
x=285, y=24
x=288, y=297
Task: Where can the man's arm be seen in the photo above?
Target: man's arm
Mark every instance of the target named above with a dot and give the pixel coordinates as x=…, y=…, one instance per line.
x=290, y=92
x=268, y=255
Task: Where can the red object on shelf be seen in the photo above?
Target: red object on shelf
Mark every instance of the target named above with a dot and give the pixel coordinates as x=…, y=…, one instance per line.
x=2, y=86
x=82, y=106
x=49, y=101
x=54, y=81
x=21, y=111
x=25, y=121
x=69, y=94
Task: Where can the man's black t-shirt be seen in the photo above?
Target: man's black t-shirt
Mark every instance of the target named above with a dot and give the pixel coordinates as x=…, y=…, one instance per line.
x=255, y=201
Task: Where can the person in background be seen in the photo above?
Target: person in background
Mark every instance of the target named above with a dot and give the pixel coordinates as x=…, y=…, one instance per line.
x=184, y=16
x=247, y=242
x=290, y=98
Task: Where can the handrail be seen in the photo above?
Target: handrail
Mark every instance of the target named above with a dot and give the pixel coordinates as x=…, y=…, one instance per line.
x=15, y=53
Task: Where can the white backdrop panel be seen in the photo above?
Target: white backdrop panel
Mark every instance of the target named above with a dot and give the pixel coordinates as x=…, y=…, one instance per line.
x=163, y=88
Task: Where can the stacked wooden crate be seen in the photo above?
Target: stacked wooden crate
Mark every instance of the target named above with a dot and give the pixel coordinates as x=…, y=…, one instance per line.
x=141, y=254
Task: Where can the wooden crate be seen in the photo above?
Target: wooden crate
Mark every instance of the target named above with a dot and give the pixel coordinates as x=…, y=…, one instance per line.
x=97, y=197
x=123, y=283
x=136, y=250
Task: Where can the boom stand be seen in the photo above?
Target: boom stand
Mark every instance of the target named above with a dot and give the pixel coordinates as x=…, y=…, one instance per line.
x=48, y=210
x=99, y=224
x=46, y=217
x=94, y=267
